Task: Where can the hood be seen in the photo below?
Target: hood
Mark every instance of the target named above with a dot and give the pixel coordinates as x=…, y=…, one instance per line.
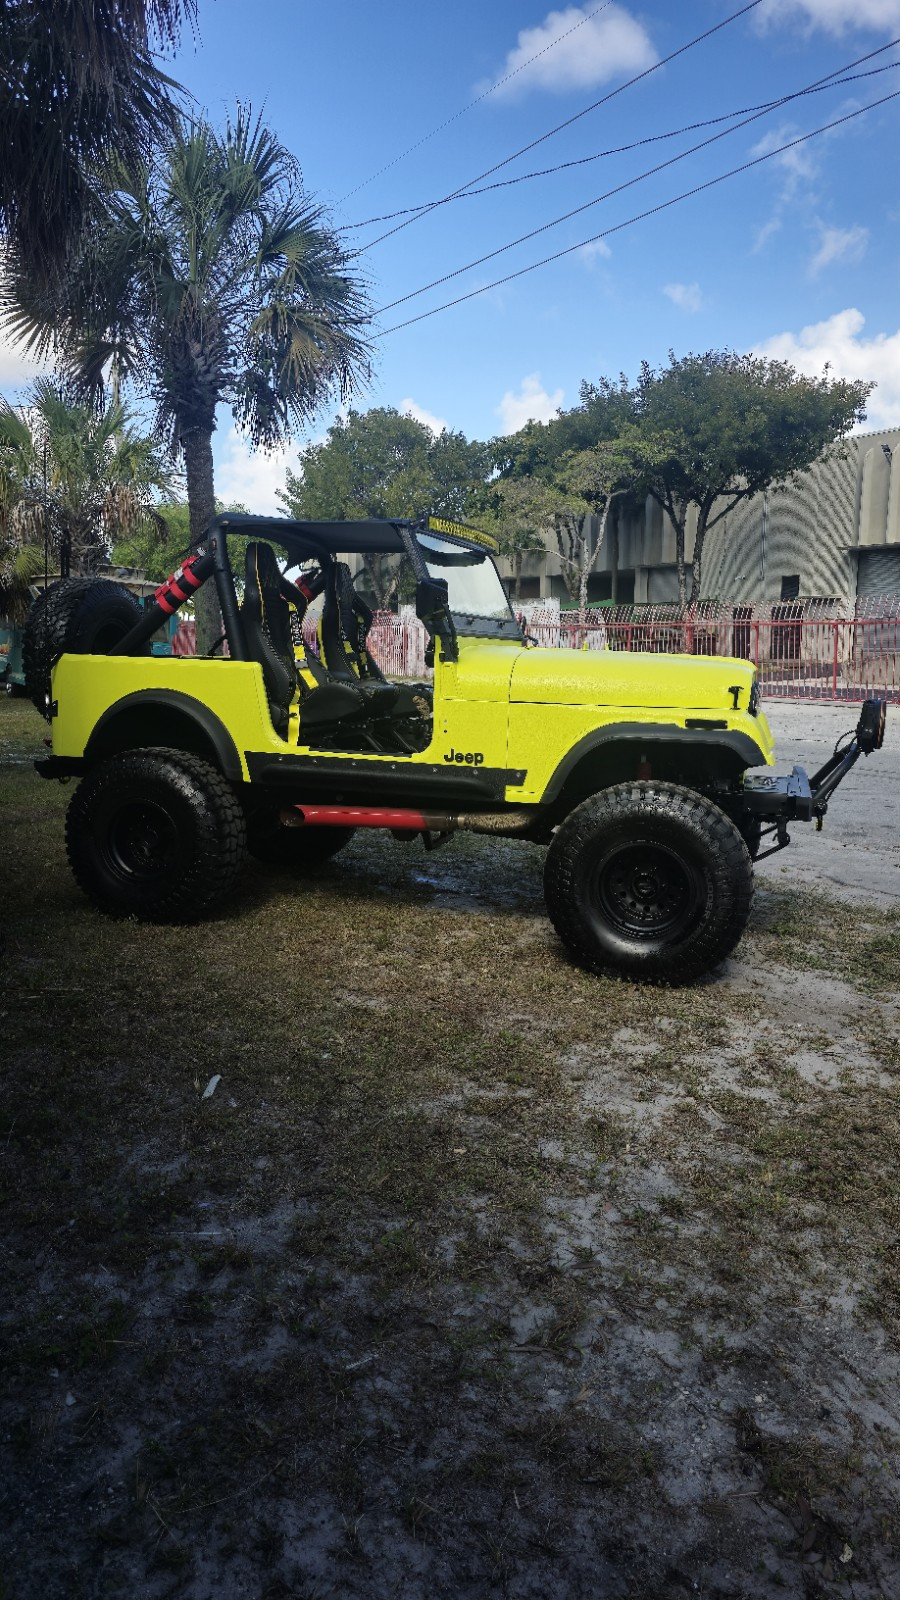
x=620, y=678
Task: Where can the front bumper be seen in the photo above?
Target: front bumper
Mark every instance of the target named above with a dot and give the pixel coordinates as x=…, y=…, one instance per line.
x=776, y=801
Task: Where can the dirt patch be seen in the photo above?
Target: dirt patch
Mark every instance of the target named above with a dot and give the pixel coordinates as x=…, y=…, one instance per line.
x=474, y=1276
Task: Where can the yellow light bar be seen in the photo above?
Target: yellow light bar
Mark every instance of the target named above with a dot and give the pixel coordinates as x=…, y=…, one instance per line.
x=458, y=530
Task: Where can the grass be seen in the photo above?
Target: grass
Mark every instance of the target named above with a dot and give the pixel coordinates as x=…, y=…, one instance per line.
x=476, y=1275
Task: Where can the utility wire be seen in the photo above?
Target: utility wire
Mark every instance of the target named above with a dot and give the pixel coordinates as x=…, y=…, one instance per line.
x=604, y=99
x=576, y=211
x=477, y=100
x=623, y=149
x=641, y=216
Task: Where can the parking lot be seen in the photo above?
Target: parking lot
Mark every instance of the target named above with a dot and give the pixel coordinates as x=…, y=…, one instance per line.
x=472, y=1276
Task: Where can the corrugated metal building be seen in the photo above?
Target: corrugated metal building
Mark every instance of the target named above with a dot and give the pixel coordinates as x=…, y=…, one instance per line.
x=834, y=534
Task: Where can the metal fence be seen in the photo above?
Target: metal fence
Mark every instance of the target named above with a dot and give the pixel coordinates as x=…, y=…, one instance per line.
x=799, y=652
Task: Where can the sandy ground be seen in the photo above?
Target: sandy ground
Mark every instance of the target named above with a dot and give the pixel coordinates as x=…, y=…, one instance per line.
x=857, y=854
x=476, y=1277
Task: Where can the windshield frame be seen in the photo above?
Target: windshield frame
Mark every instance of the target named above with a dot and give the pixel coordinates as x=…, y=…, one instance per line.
x=469, y=623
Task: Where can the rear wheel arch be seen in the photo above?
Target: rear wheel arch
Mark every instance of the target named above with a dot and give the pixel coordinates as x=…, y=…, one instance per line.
x=150, y=719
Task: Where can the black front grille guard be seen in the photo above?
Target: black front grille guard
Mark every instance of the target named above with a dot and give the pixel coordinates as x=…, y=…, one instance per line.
x=797, y=798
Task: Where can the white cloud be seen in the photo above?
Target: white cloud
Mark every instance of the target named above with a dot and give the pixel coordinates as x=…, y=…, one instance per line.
x=419, y=414
x=531, y=404
x=250, y=476
x=799, y=162
x=686, y=296
x=16, y=370
x=596, y=250
x=838, y=244
x=838, y=342
x=766, y=232
x=567, y=52
x=833, y=16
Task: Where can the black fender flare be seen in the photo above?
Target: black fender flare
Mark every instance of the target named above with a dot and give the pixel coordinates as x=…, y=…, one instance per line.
x=743, y=750
x=212, y=729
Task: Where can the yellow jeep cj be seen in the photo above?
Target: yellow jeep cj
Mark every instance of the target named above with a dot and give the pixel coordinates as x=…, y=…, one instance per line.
x=632, y=769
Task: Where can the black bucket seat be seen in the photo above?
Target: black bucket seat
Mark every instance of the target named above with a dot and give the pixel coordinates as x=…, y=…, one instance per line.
x=338, y=653
x=355, y=619
x=266, y=617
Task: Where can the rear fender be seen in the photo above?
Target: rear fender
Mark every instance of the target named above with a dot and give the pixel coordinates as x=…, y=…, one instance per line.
x=164, y=718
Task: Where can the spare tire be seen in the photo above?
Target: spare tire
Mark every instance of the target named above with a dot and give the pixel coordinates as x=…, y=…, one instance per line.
x=82, y=616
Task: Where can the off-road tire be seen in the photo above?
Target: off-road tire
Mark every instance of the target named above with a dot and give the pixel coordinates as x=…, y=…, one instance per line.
x=291, y=849
x=85, y=616
x=157, y=835
x=14, y=691
x=648, y=881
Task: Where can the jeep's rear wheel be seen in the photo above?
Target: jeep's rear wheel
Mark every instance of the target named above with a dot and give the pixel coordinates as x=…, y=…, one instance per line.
x=292, y=848
x=648, y=880
x=155, y=834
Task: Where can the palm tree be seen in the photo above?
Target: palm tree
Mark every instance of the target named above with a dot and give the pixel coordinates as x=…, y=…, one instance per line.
x=214, y=280
x=76, y=81
x=71, y=480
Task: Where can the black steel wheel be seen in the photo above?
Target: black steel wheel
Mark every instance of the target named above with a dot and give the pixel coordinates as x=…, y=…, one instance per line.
x=85, y=616
x=650, y=881
x=155, y=834
x=292, y=849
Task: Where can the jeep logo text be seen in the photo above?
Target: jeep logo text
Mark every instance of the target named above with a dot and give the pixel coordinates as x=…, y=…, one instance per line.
x=472, y=758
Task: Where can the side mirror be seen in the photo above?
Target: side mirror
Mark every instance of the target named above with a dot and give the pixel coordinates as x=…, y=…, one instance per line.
x=432, y=608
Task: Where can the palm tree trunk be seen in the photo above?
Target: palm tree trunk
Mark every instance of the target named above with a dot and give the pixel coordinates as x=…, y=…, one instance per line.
x=198, y=464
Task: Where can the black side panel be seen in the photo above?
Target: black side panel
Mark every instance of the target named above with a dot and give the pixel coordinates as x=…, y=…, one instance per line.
x=380, y=781
x=740, y=749
x=163, y=703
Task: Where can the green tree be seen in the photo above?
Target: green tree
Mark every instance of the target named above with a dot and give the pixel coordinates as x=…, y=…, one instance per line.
x=570, y=472
x=380, y=463
x=78, y=81
x=714, y=429
x=74, y=479
x=157, y=552
x=214, y=280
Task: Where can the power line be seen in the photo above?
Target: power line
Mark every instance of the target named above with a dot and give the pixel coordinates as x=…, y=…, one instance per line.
x=637, y=144
x=604, y=99
x=477, y=100
x=641, y=217
x=576, y=211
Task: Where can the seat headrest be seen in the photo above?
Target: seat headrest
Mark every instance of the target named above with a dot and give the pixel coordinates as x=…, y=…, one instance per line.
x=261, y=566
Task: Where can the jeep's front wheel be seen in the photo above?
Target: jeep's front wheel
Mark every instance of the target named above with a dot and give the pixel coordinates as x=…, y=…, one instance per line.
x=648, y=880
x=157, y=835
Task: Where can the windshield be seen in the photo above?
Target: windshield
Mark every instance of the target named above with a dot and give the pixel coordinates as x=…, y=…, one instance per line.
x=476, y=592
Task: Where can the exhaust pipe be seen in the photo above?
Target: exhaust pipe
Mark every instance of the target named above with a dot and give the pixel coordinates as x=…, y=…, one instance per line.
x=404, y=820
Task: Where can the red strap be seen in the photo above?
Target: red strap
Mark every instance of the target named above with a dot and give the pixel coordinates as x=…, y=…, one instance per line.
x=189, y=576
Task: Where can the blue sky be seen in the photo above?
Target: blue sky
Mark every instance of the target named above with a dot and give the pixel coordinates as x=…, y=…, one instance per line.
x=799, y=257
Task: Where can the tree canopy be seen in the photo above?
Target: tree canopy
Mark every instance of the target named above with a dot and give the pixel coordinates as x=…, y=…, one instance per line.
x=213, y=279
x=79, y=80
x=714, y=429
x=706, y=431
x=76, y=479
x=381, y=463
